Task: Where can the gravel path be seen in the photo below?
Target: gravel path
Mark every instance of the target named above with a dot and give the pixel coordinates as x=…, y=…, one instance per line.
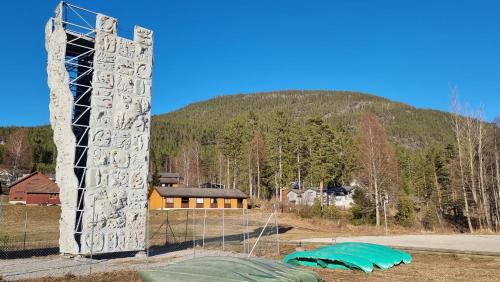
x=57, y=266
x=457, y=243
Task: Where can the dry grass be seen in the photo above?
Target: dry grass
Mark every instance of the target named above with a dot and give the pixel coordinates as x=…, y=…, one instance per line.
x=424, y=267
x=124, y=276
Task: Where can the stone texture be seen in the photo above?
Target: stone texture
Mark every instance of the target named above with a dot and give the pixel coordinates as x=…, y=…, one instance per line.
x=61, y=106
x=118, y=149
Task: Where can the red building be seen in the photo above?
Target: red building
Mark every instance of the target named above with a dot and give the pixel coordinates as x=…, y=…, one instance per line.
x=34, y=189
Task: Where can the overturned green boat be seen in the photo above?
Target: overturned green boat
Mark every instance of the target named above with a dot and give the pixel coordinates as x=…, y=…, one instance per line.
x=360, y=256
x=222, y=269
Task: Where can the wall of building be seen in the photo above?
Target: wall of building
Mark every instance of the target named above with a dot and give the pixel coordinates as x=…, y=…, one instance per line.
x=42, y=199
x=17, y=194
x=157, y=202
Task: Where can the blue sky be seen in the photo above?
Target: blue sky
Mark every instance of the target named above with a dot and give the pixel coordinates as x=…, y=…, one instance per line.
x=408, y=51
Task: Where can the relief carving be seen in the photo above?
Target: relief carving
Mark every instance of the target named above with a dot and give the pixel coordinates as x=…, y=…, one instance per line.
x=106, y=43
x=124, y=113
x=102, y=102
x=103, y=79
x=121, y=140
x=124, y=84
x=120, y=158
x=105, y=58
x=125, y=66
x=102, y=138
x=100, y=156
x=103, y=118
x=136, y=218
x=144, y=36
x=142, y=123
x=142, y=105
x=106, y=24
x=125, y=48
x=118, y=178
x=143, y=70
x=143, y=54
x=137, y=180
x=139, y=143
x=142, y=87
x=97, y=244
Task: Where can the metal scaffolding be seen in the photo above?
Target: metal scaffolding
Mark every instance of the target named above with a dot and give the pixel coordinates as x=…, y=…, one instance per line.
x=79, y=25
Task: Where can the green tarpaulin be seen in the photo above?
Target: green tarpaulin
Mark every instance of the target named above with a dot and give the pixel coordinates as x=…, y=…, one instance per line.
x=362, y=256
x=221, y=269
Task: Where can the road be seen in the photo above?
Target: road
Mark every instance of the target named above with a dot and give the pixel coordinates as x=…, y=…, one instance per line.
x=456, y=243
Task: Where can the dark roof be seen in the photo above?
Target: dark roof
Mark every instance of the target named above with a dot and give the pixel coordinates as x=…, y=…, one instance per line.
x=297, y=191
x=22, y=179
x=164, y=180
x=200, y=192
x=38, y=186
x=212, y=185
x=169, y=175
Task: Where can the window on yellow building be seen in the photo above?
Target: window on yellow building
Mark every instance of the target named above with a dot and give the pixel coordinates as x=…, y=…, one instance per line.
x=169, y=200
x=199, y=200
x=213, y=200
x=227, y=201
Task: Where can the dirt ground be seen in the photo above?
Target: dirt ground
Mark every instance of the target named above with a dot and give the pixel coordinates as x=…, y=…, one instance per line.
x=424, y=267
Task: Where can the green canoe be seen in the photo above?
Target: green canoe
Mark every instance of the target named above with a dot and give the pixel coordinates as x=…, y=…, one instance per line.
x=362, y=256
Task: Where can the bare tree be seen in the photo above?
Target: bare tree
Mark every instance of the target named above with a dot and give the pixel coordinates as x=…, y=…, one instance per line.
x=379, y=170
x=482, y=181
x=457, y=129
x=17, y=153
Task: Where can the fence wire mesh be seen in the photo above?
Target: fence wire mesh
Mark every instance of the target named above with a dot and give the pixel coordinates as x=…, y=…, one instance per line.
x=29, y=240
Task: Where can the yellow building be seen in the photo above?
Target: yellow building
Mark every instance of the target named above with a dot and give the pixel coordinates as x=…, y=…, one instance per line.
x=189, y=198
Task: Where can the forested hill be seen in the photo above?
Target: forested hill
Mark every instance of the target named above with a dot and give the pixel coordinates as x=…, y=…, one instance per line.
x=407, y=126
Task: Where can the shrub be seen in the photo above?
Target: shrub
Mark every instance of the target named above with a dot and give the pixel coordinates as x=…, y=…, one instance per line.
x=316, y=209
x=331, y=212
x=429, y=219
x=363, y=210
x=405, y=215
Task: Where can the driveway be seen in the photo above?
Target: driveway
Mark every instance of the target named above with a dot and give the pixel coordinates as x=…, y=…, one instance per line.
x=456, y=243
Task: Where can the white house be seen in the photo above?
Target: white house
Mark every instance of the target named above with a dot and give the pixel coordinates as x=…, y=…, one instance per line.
x=341, y=197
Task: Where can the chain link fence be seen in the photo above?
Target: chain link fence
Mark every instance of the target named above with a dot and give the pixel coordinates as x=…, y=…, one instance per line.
x=29, y=240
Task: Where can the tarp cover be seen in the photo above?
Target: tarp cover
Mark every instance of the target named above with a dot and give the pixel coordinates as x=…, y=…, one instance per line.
x=221, y=269
x=362, y=256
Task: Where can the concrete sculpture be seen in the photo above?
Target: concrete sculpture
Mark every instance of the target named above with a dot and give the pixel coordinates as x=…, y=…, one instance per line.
x=104, y=204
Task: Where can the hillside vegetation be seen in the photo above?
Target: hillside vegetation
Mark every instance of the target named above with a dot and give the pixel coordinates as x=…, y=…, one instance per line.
x=407, y=126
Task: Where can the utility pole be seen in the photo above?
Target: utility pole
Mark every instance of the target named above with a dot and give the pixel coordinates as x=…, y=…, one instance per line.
x=386, y=200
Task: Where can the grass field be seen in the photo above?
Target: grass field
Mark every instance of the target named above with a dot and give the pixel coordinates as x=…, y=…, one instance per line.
x=42, y=226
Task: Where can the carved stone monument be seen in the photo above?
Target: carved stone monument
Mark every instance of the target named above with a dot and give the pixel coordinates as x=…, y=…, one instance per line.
x=100, y=103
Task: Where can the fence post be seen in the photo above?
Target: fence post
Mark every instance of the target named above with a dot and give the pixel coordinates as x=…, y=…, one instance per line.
x=246, y=229
x=204, y=222
x=244, y=234
x=1, y=207
x=194, y=232
x=92, y=236
x=222, y=229
x=277, y=231
x=166, y=230
x=147, y=239
x=25, y=224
